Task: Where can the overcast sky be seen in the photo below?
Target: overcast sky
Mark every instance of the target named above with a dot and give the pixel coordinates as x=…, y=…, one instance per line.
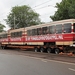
x=45, y=8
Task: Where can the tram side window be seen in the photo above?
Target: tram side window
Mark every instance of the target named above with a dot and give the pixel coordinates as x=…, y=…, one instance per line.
x=74, y=27
x=44, y=30
x=67, y=28
x=3, y=36
x=39, y=31
x=29, y=32
x=34, y=31
x=20, y=33
x=52, y=29
x=12, y=34
x=0, y=36
x=16, y=34
x=58, y=29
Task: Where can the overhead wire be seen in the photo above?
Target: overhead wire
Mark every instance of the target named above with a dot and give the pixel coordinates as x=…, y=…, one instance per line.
x=21, y=2
x=41, y=4
x=36, y=5
x=44, y=7
x=34, y=8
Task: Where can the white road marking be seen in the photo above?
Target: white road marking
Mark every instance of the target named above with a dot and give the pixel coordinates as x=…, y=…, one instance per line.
x=51, y=60
x=61, y=62
x=71, y=69
x=44, y=60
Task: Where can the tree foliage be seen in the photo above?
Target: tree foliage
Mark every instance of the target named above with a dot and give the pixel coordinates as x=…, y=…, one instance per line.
x=22, y=16
x=1, y=27
x=65, y=10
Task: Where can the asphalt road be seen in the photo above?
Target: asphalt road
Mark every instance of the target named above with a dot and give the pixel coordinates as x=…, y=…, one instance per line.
x=11, y=64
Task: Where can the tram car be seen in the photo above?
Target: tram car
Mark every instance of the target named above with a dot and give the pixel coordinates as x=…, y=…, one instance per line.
x=56, y=36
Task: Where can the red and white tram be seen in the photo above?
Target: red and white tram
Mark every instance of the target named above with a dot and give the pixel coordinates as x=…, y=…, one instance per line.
x=54, y=36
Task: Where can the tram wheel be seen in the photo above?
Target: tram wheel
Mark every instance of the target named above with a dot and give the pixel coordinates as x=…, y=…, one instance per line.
x=49, y=50
x=57, y=51
x=41, y=50
x=36, y=49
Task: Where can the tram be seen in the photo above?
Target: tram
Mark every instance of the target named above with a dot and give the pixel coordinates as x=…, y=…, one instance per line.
x=56, y=36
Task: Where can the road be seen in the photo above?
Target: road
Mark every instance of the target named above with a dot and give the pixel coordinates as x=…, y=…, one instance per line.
x=18, y=64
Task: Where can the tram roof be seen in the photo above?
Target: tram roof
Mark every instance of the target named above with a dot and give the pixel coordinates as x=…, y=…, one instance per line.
x=52, y=23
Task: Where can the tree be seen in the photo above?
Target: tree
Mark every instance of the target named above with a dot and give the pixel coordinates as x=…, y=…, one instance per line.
x=22, y=16
x=1, y=27
x=65, y=10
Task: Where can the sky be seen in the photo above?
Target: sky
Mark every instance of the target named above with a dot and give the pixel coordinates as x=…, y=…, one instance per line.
x=45, y=8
